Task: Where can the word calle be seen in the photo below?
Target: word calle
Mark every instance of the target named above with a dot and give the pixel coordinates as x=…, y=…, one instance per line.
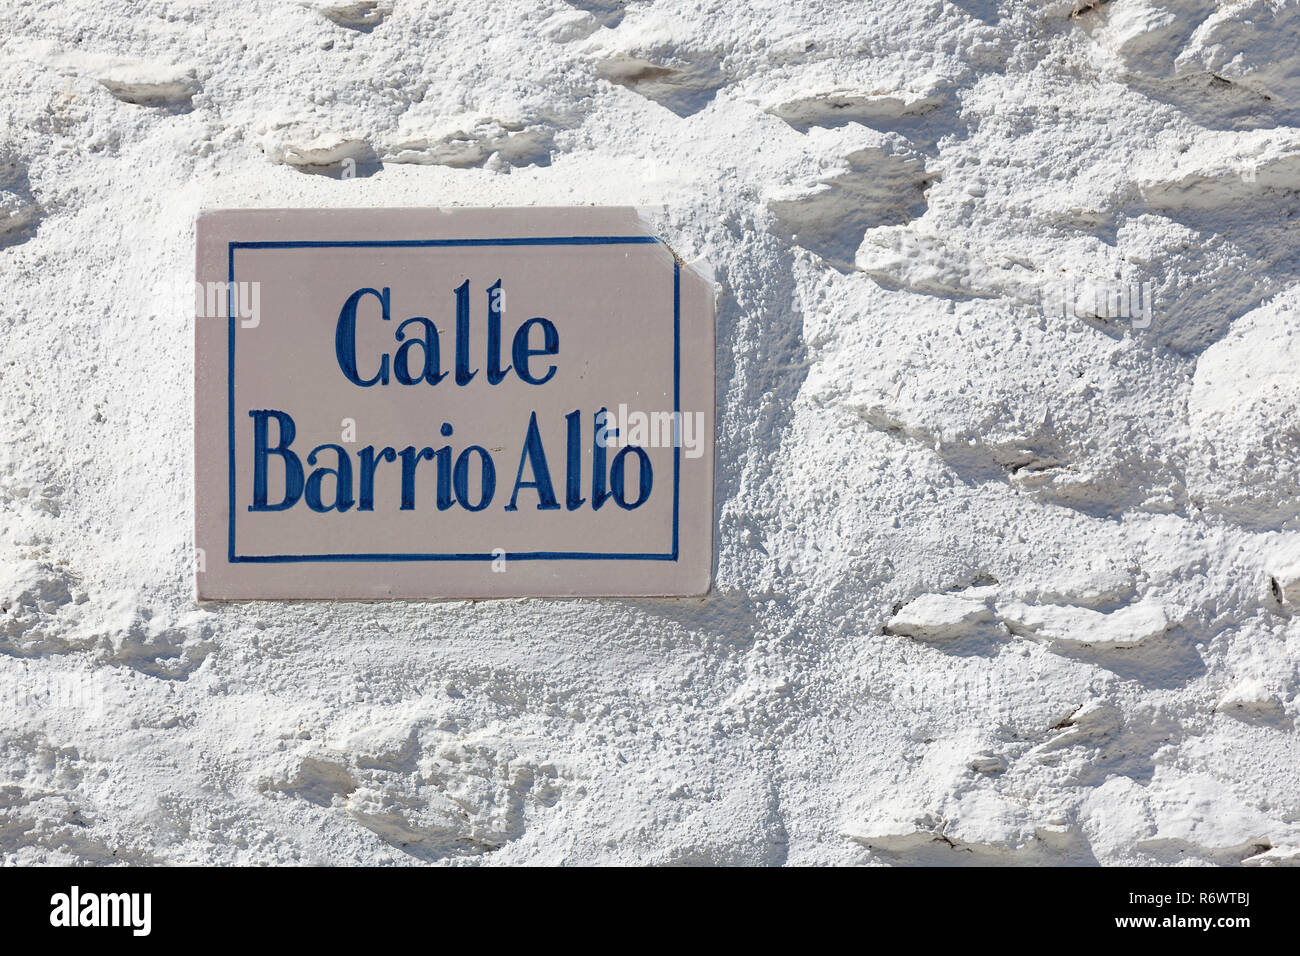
x=423, y=345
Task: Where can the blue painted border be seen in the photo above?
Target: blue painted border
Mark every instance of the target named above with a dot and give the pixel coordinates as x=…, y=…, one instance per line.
x=471, y=556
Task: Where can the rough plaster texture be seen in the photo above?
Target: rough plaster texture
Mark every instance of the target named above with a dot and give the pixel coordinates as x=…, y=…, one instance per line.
x=996, y=582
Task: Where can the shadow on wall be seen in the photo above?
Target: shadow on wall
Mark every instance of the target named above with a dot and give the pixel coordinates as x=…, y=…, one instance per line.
x=684, y=86
x=760, y=368
x=20, y=214
x=878, y=189
x=1069, y=848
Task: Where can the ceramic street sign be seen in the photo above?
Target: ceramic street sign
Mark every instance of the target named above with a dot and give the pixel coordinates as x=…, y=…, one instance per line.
x=425, y=403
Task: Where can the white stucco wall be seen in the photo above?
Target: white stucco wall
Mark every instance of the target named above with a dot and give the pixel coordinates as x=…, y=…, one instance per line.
x=995, y=582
